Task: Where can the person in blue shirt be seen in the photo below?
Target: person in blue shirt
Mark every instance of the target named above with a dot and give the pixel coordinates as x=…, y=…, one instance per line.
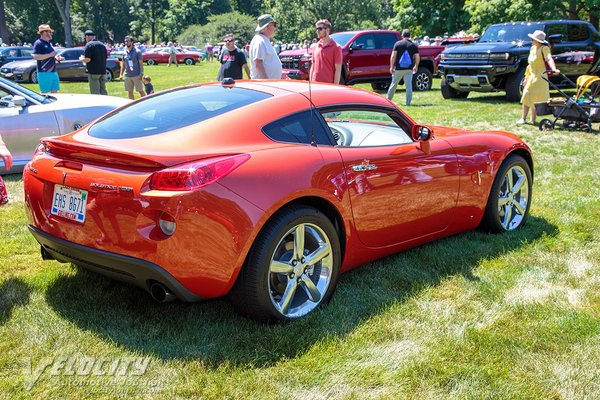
x=46, y=58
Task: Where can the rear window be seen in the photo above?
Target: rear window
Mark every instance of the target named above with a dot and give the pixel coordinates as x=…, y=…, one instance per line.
x=173, y=110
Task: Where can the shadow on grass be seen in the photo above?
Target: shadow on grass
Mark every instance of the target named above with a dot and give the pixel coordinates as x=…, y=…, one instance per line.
x=13, y=293
x=212, y=332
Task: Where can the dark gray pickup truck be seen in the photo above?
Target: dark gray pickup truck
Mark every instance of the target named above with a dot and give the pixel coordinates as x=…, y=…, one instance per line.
x=497, y=61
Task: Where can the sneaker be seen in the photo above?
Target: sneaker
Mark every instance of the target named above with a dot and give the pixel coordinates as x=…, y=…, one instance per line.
x=521, y=122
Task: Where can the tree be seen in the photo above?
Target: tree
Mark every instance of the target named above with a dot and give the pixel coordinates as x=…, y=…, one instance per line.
x=240, y=25
x=434, y=17
x=64, y=9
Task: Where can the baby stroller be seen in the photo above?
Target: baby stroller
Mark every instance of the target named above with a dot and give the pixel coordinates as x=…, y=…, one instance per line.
x=576, y=113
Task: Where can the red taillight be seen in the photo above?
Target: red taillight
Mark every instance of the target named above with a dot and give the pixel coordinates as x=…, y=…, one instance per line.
x=196, y=174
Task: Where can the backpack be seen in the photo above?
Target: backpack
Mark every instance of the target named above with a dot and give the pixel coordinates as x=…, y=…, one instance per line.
x=405, y=60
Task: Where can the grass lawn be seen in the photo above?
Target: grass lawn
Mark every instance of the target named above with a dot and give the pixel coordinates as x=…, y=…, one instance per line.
x=513, y=316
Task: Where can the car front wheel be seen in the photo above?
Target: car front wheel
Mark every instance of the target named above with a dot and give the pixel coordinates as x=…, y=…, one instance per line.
x=108, y=75
x=508, y=204
x=151, y=62
x=189, y=61
x=292, y=268
x=33, y=77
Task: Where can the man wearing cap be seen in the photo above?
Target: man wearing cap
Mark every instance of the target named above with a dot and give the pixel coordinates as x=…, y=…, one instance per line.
x=232, y=61
x=133, y=68
x=46, y=58
x=264, y=61
x=94, y=57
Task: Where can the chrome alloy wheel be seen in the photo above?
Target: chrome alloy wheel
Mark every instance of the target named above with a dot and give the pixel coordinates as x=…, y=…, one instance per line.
x=513, y=198
x=422, y=81
x=300, y=270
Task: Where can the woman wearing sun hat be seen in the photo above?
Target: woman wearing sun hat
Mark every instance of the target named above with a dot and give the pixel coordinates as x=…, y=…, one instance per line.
x=535, y=89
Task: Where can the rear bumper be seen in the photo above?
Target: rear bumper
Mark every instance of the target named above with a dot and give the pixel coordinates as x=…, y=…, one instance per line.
x=135, y=271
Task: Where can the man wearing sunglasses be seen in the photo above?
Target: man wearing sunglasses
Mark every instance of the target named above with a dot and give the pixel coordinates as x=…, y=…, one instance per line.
x=327, y=56
x=133, y=68
x=264, y=61
x=232, y=61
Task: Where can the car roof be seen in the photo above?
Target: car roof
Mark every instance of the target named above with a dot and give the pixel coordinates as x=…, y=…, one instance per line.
x=546, y=22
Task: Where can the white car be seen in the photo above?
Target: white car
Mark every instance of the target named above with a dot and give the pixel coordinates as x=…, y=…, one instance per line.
x=27, y=116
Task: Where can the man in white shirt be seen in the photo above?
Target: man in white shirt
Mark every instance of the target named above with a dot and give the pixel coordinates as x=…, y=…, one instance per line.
x=264, y=61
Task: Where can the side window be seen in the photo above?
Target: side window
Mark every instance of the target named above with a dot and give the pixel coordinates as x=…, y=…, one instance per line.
x=558, y=29
x=69, y=55
x=26, y=53
x=365, y=42
x=386, y=40
x=298, y=128
x=365, y=128
x=577, y=33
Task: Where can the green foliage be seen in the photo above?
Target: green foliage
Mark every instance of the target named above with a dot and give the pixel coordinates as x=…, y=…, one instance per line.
x=242, y=26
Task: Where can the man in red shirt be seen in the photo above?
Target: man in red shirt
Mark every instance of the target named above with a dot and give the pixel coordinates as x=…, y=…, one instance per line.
x=327, y=56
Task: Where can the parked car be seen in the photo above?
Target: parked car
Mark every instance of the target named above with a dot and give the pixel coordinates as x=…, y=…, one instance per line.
x=497, y=61
x=161, y=55
x=313, y=181
x=366, y=59
x=14, y=53
x=27, y=116
x=70, y=68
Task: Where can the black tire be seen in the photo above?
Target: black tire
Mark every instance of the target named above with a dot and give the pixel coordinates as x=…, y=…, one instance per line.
x=108, y=75
x=546, y=125
x=515, y=207
x=33, y=77
x=151, y=62
x=380, y=87
x=422, y=80
x=343, y=77
x=189, y=61
x=449, y=92
x=514, y=89
x=258, y=288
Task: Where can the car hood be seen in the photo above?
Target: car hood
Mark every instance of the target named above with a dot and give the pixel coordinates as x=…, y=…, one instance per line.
x=495, y=47
x=20, y=63
x=294, y=53
x=64, y=101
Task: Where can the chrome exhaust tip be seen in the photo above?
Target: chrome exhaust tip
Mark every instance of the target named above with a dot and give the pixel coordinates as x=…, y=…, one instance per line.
x=160, y=293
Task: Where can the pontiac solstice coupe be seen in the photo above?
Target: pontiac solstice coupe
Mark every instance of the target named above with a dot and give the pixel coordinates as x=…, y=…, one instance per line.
x=264, y=191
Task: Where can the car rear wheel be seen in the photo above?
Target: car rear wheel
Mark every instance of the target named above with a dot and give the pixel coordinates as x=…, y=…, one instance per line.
x=33, y=77
x=508, y=204
x=448, y=92
x=151, y=62
x=422, y=80
x=108, y=75
x=292, y=268
x=189, y=61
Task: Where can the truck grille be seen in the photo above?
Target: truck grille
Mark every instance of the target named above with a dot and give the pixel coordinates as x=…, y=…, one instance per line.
x=290, y=62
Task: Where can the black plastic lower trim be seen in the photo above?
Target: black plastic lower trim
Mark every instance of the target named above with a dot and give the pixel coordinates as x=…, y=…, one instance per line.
x=124, y=268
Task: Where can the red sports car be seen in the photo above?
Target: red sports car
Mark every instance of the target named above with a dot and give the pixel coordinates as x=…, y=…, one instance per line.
x=264, y=190
x=161, y=55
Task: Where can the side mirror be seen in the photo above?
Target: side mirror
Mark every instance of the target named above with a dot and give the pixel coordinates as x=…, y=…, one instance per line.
x=556, y=38
x=19, y=101
x=423, y=135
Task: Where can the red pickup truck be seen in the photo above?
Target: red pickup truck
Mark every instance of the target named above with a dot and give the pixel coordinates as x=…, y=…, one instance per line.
x=366, y=59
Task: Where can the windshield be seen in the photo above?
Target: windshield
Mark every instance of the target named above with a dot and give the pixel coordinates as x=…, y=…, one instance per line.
x=27, y=92
x=173, y=110
x=509, y=33
x=342, y=38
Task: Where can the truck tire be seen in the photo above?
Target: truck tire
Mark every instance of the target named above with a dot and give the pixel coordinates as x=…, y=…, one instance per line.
x=422, y=80
x=449, y=92
x=513, y=88
x=380, y=87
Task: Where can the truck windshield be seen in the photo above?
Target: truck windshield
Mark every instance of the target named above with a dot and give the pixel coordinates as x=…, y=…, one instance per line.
x=342, y=38
x=509, y=33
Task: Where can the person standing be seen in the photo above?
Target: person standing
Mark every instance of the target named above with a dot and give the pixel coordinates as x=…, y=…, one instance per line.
x=327, y=56
x=172, y=54
x=94, y=57
x=46, y=58
x=232, y=61
x=264, y=61
x=536, y=89
x=404, y=62
x=133, y=68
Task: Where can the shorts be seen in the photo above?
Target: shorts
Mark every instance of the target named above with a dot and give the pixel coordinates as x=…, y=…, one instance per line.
x=48, y=81
x=134, y=82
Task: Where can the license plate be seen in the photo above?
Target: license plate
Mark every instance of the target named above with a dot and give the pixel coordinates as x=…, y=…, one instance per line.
x=69, y=203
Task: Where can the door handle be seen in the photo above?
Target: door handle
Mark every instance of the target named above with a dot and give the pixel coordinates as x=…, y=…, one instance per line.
x=364, y=167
